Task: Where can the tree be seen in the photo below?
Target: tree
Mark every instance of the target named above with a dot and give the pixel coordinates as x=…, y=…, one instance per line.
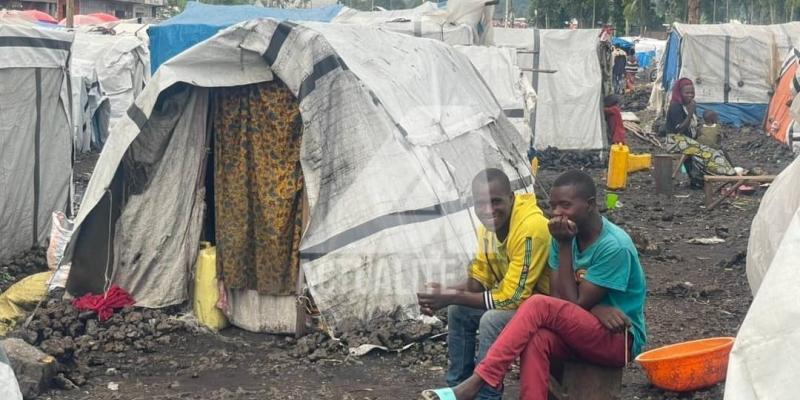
x=694, y=11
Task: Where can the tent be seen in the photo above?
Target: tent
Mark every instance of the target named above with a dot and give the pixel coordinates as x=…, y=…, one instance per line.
x=35, y=140
x=779, y=122
x=568, y=111
x=765, y=358
x=498, y=68
x=648, y=50
x=733, y=66
x=459, y=22
x=389, y=148
x=108, y=72
x=199, y=22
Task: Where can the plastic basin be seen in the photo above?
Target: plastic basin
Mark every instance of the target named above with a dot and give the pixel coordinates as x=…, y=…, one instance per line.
x=687, y=366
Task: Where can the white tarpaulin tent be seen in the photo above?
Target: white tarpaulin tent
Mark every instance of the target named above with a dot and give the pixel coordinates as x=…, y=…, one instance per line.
x=568, y=104
x=111, y=68
x=754, y=58
x=498, y=67
x=389, y=148
x=35, y=140
x=765, y=357
x=462, y=22
x=733, y=66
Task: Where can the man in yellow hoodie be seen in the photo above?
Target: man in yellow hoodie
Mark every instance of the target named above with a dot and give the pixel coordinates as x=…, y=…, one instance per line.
x=509, y=267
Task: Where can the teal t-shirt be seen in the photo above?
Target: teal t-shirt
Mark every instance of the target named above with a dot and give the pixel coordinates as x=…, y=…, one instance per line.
x=613, y=263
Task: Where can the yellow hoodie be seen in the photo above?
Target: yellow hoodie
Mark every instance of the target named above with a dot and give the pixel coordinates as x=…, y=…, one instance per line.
x=515, y=269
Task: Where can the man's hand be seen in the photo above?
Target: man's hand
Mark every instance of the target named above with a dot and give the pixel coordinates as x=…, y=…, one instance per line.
x=562, y=229
x=432, y=300
x=611, y=318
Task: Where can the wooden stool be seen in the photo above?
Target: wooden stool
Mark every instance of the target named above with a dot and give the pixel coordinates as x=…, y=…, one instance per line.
x=580, y=381
x=736, y=180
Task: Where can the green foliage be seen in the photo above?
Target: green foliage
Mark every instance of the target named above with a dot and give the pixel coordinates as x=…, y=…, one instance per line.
x=652, y=14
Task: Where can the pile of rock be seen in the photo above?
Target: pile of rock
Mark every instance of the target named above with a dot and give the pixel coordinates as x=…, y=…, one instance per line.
x=22, y=265
x=553, y=158
x=78, y=341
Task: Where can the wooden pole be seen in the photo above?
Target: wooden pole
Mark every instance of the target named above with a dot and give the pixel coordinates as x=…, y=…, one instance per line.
x=70, y=13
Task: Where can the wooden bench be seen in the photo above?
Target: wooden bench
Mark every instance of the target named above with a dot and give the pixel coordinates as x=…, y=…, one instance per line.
x=580, y=381
x=737, y=181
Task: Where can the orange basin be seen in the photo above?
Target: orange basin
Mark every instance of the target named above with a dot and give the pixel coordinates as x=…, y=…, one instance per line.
x=687, y=366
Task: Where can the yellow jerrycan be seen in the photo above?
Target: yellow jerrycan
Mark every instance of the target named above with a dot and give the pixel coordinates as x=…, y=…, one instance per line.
x=206, y=289
x=618, y=167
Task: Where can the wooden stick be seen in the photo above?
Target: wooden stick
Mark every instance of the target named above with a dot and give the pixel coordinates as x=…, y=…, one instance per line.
x=70, y=13
x=678, y=168
x=737, y=178
x=725, y=195
x=708, y=190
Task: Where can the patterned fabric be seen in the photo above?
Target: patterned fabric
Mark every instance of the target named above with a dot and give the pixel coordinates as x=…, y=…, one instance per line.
x=705, y=160
x=258, y=187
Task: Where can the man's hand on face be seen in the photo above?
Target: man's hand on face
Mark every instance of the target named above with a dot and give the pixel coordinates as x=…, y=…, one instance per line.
x=562, y=229
x=612, y=318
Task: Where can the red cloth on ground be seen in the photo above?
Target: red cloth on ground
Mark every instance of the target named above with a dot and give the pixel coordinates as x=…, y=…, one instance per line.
x=615, y=126
x=104, y=304
x=544, y=328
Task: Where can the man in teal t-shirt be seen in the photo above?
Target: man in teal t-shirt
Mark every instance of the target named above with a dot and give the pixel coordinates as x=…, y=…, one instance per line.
x=595, y=311
x=612, y=262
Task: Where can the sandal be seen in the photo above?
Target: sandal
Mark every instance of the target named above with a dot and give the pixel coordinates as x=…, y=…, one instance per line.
x=438, y=394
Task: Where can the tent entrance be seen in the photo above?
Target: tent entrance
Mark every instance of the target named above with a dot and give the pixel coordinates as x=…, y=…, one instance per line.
x=254, y=202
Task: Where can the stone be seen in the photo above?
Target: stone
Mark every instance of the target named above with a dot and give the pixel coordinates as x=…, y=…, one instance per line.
x=53, y=346
x=34, y=369
x=64, y=383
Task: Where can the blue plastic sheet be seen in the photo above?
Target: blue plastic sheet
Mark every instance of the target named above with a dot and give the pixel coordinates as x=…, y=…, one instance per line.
x=736, y=114
x=645, y=58
x=199, y=22
x=672, y=64
x=622, y=43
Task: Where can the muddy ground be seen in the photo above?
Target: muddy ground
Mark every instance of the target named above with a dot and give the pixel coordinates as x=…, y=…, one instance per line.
x=694, y=291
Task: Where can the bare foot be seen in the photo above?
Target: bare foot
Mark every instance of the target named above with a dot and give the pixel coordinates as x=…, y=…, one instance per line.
x=468, y=389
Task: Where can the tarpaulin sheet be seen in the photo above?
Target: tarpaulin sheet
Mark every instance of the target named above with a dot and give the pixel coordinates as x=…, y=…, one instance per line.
x=498, y=67
x=571, y=96
x=200, y=21
x=765, y=357
x=645, y=58
x=672, y=61
x=390, y=147
x=622, y=43
x=736, y=114
x=568, y=104
x=35, y=135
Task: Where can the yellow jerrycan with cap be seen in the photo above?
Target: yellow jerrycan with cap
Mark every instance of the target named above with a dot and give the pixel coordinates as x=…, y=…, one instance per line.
x=618, y=167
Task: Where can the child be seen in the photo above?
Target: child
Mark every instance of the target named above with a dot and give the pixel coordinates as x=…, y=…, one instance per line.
x=614, y=119
x=631, y=68
x=710, y=132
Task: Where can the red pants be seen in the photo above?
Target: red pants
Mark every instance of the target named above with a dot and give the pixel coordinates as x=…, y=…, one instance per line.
x=544, y=328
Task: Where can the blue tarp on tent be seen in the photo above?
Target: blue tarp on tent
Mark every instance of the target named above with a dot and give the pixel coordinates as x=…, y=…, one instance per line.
x=672, y=63
x=736, y=114
x=199, y=22
x=645, y=58
x=622, y=43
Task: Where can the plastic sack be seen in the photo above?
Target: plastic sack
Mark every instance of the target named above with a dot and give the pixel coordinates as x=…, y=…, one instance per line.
x=60, y=234
x=9, y=387
x=206, y=290
x=20, y=297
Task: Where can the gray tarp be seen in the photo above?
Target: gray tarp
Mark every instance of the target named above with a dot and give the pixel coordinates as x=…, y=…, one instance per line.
x=35, y=140
x=390, y=146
